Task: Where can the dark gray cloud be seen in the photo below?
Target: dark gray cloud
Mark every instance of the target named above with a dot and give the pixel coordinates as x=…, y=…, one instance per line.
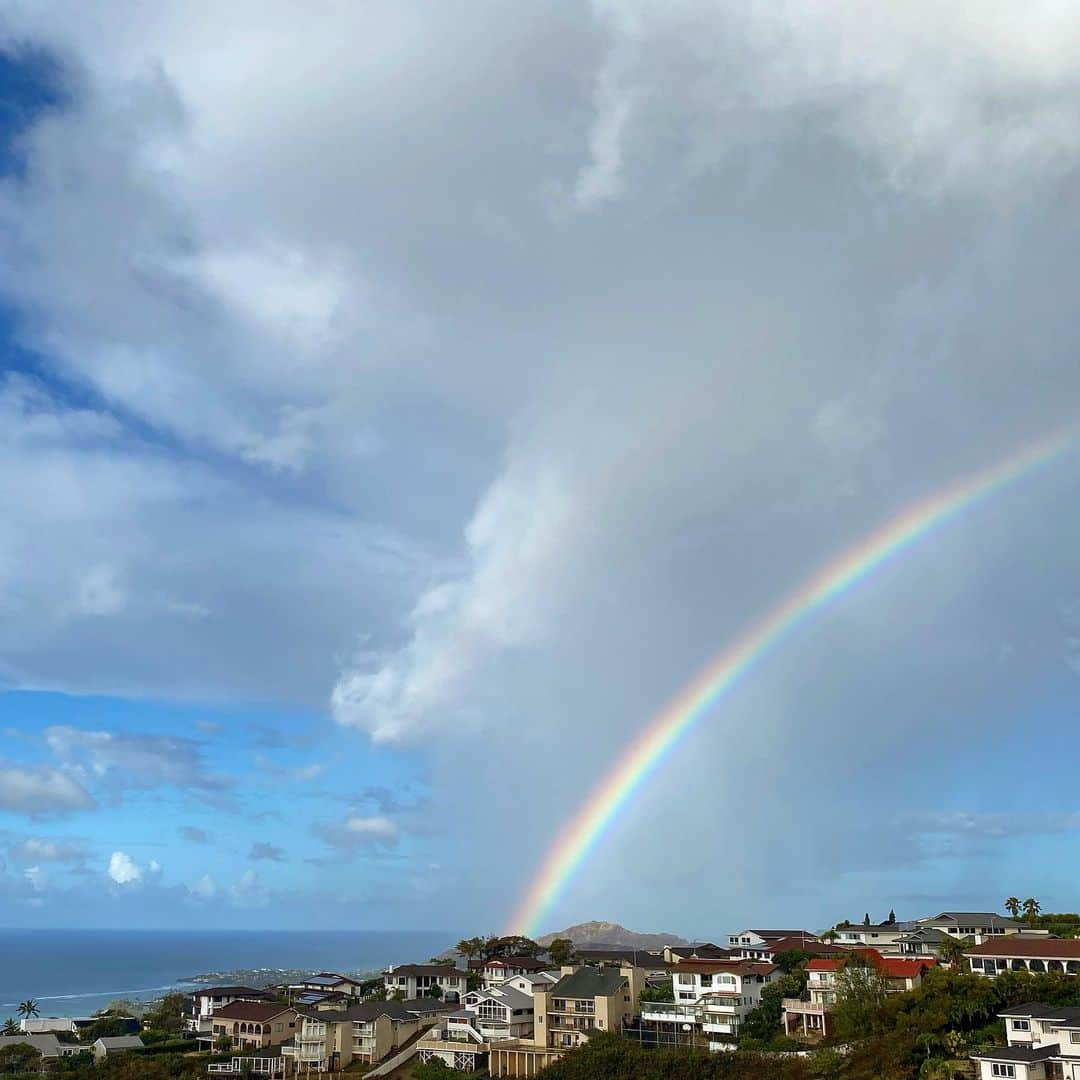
x=262, y=850
x=194, y=835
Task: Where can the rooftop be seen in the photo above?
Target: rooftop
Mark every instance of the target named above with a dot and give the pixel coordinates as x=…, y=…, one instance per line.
x=1017, y=1053
x=424, y=969
x=259, y=1011
x=589, y=982
x=1019, y=945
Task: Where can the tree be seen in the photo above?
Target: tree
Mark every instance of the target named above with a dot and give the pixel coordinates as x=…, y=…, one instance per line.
x=20, y=1057
x=435, y=1069
x=10, y=1027
x=1012, y=906
x=168, y=1013
x=470, y=947
x=561, y=951
x=28, y=1008
x=666, y=992
x=435, y=991
x=223, y=1043
x=951, y=950
x=866, y=919
x=830, y=935
x=1032, y=907
x=860, y=994
x=763, y=1023
x=892, y=917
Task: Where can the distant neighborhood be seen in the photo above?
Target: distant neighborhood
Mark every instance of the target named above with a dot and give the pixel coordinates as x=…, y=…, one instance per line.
x=512, y=1007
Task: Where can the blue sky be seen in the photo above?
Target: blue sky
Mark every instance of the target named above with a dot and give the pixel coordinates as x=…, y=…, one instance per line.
x=398, y=409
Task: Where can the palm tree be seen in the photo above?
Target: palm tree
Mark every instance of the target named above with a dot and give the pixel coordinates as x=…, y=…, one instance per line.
x=469, y=947
x=1032, y=907
x=951, y=950
x=27, y=1008
x=10, y=1027
x=1012, y=906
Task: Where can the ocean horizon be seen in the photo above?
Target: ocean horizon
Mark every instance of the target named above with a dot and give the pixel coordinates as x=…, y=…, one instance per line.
x=76, y=972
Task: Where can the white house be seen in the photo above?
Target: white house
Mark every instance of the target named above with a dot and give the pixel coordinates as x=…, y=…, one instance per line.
x=1019, y=952
x=529, y=984
x=1043, y=1043
x=209, y=998
x=416, y=981
x=712, y=996
x=978, y=925
x=505, y=967
x=115, y=1044
x=754, y=944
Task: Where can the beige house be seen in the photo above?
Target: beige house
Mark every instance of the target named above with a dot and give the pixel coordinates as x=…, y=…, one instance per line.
x=330, y=1039
x=254, y=1024
x=417, y=980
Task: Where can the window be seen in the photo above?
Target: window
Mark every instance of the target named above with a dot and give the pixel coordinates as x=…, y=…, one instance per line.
x=1074, y=1036
x=1000, y=1068
x=1021, y=1025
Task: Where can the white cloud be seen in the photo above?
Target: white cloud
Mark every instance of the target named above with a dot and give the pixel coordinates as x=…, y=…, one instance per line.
x=204, y=889
x=100, y=592
x=40, y=849
x=41, y=790
x=359, y=831
x=123, y=869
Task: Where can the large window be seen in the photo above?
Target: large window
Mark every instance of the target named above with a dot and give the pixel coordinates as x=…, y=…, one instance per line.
x=1001, y=1068
x=1021, y=1025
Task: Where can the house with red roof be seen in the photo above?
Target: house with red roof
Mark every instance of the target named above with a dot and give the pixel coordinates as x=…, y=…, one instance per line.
x=810, y=1017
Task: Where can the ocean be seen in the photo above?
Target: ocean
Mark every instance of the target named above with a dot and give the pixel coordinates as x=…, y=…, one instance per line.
x=75, y=972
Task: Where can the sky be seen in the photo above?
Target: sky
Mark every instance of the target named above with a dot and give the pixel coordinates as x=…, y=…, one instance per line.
x=400, y=403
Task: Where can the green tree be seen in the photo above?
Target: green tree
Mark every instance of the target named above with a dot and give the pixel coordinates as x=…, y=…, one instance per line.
x=223, y=1043
x=435, y=991
x=27, y=1008
x=866, y=919
x=763, y=1023
x=435, y=1069
x=666, y=992
x=1012, y=906
x=10, y=1027
x=18, y=1058
x=951, y=950
x=167, y=1014
x=860, y=996
x=470, y=947
x=561, y=951
x=1032, y=907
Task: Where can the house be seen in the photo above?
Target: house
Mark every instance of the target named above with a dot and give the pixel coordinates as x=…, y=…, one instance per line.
x=705, y=950
x=253, y=1025
x=329, y=1040
x=811, y=1017
x=505, y=967
x=417, y=980
x=754, y=944
x=529, y=984
x=46, y=1044
x=1043, y=1044
x=654, y=963
x=326, y=983
x=493, y=1015
x=1020, y=952
x=880, y=936
x=712, y=998
x=585, y=999
x=270, y=1063
x=115, y=1044
x=42, y=1025
x=209, y=998
x=980, y=925
x=923, y=941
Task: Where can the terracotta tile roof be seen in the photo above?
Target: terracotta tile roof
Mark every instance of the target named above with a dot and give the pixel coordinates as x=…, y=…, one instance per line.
x=895, y=967
x=1018, y=945
x=714, y=967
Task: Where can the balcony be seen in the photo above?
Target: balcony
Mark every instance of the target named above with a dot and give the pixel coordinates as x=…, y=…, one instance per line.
x=813, y=1008
x=669, y=1010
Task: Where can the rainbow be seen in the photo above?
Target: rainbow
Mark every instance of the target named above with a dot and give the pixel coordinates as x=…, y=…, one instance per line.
x=581, y=834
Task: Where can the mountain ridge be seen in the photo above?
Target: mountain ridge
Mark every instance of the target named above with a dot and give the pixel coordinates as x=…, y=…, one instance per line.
x=598, y=933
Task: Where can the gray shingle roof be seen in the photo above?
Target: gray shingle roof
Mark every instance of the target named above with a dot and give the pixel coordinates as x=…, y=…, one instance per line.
x=1018, y=1053
x=589, y=982
x=46, y=1044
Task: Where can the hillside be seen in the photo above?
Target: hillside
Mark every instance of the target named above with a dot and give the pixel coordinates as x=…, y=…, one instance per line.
x=597, y=934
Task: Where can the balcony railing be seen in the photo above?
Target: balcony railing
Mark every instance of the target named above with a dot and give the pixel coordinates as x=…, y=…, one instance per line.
x=797, y=1005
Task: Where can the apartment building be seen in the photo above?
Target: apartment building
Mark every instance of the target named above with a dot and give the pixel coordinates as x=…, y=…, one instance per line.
x=417, y=980
x=1021, y=952
x=810, y=1017
x=712, y=998
x=254, y=1024
x=1043, y=1043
